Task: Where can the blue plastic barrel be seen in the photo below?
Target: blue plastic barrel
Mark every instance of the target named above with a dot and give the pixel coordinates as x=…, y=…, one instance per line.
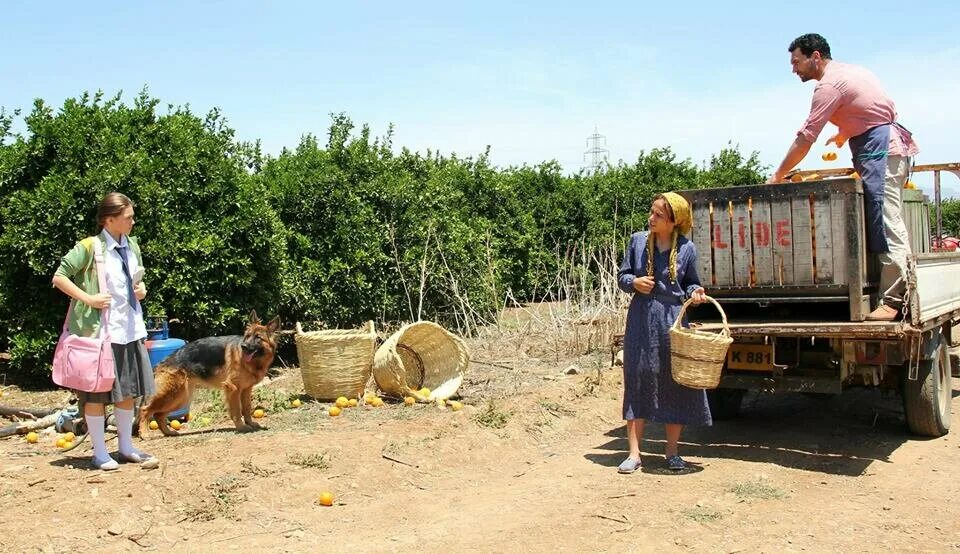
x=158, y=349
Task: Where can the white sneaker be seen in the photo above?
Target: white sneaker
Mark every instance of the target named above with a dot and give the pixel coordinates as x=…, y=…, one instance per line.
x=107, y=465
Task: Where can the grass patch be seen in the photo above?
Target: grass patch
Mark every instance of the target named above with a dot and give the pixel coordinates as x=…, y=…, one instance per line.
x=492, y=417
x=701, y=514
x=316, y=460
x=247, y=466
x=272, y=401
x=224, y=498
x=757, y=489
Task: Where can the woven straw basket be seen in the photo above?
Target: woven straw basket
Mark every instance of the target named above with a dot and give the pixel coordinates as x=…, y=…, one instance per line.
x=421, y=354
x=336, y=362
x=697, y=357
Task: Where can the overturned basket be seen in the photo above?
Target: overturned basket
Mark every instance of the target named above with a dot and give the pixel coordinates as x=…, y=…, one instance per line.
x=336, y=362
x=421, y=354
x=697, y=357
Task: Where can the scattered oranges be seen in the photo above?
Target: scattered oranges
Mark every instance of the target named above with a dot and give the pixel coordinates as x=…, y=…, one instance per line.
x=68, y=445
x=456, y=406
x=32, y=437
x=258, y=413
x=334, y=411
x=409, y=400
x=441, y=403
x=352, y=403
x=425, y=392
x=69, y=437
x=61, y=442
x=342, y=402
x=326, y=499
x=154, y=425
x=376, y=402
x=175, y=424
x=295, y=403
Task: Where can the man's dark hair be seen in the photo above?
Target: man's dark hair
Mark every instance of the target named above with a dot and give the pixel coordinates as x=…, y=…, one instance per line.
x=810, y=43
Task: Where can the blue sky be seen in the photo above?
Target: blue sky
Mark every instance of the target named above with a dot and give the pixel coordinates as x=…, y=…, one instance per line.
x=530, y=79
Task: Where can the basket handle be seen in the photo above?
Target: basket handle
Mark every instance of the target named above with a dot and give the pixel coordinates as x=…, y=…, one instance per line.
x=726, y=327
x=298, y=328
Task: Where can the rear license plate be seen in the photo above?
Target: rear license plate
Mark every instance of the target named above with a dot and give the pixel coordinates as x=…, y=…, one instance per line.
x=755, y=357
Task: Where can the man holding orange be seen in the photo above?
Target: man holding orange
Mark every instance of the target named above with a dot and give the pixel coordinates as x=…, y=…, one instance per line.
x=852, y=98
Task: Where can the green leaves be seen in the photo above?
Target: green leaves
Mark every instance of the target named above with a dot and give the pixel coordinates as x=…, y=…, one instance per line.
x=330, y=234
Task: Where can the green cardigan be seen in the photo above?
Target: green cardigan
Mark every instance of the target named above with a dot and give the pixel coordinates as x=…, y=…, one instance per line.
x=80, y=266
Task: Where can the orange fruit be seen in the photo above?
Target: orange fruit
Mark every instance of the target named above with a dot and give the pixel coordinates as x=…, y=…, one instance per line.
x=409, y=400
x=258, y=413
x=175, y=424
x=376, y=402
x=342, y=402
x=32, y=437
x=60, y=442
x=456, y=406
x=69, y=437
x=425, y=392
x=352, y=403
x=68, y=445
x=909, y=185
x=296, y=403
x=326, y=498
x=334, y=411
x=441, y=403
x=154, y=425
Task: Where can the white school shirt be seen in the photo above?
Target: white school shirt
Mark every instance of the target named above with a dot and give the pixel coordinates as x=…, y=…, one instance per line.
x=126, y=325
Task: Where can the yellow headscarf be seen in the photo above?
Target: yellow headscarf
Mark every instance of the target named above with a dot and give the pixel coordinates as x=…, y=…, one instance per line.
x=683, y=221
x=682, y=217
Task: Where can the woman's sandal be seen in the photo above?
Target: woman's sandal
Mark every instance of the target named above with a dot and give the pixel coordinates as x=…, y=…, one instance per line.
x=629, y=465
x=676, y=463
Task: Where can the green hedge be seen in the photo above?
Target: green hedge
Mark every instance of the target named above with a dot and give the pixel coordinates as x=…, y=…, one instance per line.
x=335, y=233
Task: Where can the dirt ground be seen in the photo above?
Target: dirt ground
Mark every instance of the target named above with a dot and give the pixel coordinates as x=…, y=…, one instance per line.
x=528, y=465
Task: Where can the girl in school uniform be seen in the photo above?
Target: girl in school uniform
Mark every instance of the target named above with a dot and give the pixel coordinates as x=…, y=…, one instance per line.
x=77, y=278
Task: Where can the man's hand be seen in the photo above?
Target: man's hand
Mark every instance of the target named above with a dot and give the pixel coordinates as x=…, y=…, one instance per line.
x=140, y=291
x=774, y=179
x=643, y=284
x=837, y=139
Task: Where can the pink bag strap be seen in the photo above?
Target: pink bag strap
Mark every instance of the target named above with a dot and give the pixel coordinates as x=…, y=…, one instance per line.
x=102, y=280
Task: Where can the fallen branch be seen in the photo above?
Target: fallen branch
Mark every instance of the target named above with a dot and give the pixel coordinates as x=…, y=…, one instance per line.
x=25, y=427
x=19, y=412
x=494, y=364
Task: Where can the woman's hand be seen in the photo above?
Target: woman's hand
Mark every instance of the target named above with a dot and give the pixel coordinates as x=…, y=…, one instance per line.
x=98, y=301
x=140, y=291
x=643, y=284
x=699, y=296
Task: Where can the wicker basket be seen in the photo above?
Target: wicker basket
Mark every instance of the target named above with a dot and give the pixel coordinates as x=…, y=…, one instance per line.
x=336, y=362
x=697, y=357
x=421, y=354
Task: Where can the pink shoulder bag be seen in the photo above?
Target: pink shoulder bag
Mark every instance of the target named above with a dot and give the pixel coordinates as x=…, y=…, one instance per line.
x=86, y=363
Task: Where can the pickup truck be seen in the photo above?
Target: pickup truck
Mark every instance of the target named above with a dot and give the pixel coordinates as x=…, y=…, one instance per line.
x=789, y=265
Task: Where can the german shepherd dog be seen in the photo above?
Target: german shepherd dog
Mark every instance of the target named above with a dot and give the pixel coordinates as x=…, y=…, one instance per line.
x=233, y=363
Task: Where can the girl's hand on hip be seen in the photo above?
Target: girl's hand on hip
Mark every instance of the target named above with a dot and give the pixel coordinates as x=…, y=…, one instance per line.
x=140, y=291
x=699, y=296
x=99, y=301
x=643, y=284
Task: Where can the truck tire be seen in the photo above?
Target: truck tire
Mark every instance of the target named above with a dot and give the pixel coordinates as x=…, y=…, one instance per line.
x=725, y=403
x=926, y=401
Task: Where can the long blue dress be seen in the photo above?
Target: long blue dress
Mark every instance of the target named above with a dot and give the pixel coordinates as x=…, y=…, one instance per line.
x=650, y=392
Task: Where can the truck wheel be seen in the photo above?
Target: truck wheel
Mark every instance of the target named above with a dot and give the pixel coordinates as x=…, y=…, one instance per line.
x=926, y=401
x=725, y=403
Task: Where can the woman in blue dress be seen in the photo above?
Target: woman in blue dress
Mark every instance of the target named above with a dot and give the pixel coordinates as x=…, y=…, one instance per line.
x=659, y=269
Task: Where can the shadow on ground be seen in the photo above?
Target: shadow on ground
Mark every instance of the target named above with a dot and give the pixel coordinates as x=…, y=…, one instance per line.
x=839, y=435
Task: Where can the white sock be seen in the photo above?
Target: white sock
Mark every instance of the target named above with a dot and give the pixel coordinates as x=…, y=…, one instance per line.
x=95, y=429
x=125, y=430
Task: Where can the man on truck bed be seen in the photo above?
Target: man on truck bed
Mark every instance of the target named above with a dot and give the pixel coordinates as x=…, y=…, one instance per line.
x=851, y=98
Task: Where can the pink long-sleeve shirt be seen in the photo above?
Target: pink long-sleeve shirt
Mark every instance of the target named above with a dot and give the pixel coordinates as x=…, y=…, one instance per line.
x=852, y=98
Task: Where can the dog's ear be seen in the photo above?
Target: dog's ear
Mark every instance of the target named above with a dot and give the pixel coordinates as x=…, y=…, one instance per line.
x=253, y=317
x=274, y=325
